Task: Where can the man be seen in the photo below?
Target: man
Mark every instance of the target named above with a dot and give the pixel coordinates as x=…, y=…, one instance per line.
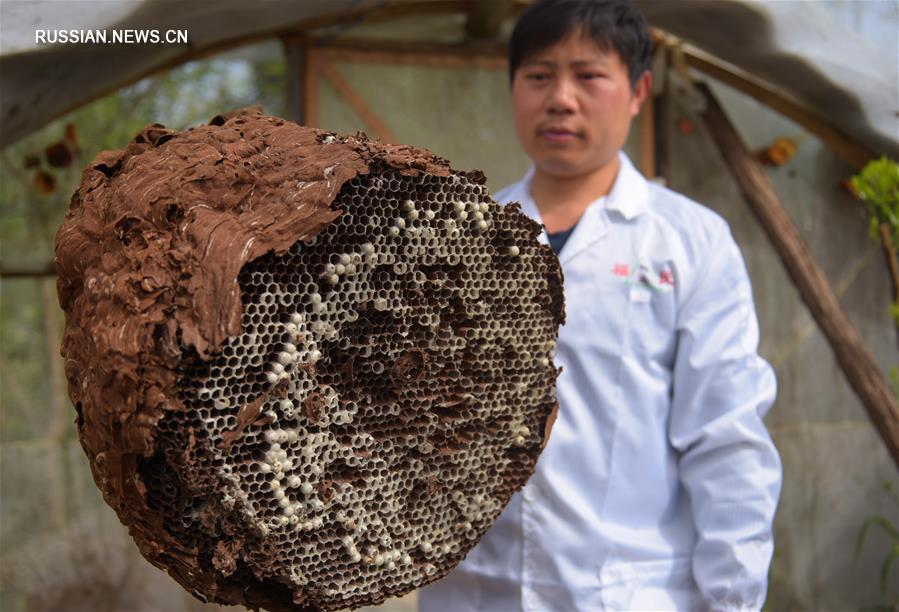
x=658, y=486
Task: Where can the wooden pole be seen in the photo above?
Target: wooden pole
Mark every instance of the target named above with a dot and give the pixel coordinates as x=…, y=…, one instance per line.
x=356, y=102
x=310, y=88
x=26, y=270
x=295, y=67
x=414, y=53
x=856, y=361
x=485, y=18
x=661, y=110
x=648, y=137
x=889, y=253
x=825, y=128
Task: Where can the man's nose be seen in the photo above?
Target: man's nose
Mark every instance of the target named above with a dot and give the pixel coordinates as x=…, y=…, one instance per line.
x=562, y=97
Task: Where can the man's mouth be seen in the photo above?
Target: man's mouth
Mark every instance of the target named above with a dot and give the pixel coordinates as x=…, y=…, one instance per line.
x=558, y=134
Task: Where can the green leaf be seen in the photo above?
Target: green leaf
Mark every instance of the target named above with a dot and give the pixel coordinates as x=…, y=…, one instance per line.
x=877, y=185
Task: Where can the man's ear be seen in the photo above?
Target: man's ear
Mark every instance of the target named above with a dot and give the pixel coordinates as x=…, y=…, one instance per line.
x=641, y=89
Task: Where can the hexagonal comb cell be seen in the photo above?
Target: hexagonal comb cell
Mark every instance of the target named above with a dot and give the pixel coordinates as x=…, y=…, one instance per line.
x=310, y=370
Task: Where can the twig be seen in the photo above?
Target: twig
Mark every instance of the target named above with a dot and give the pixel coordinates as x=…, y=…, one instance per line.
x=889, y=253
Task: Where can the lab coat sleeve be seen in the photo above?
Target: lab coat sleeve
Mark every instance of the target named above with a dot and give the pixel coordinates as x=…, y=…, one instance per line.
x=728, y=464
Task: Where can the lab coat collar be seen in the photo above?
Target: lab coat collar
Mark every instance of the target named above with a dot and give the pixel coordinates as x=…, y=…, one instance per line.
x=521, y=193
x=630, y=192
x=629, y=197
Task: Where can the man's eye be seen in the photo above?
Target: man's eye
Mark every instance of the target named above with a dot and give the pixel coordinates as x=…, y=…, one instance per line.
x=537, y=77
x=589, y=76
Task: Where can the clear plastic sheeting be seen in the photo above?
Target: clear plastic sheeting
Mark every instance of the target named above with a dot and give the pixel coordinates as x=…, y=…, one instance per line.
x=39, y=82
x=804, y=49
x=799, y=46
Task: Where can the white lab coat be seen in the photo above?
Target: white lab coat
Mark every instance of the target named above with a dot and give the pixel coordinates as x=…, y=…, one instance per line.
x=658, y=486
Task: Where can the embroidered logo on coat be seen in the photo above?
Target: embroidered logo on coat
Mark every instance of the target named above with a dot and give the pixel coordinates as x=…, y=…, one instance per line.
x=643, y=275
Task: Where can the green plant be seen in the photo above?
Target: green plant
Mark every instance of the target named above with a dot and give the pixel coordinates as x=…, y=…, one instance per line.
x=877, y=185
x=891, y=529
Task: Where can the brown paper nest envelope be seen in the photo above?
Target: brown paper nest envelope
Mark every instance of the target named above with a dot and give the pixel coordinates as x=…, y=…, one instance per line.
x=309, y=370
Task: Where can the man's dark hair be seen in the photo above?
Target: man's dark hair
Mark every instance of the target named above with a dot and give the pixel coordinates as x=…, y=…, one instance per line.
x=614, y=25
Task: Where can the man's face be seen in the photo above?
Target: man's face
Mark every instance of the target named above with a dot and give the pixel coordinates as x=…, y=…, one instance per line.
x=573, y=105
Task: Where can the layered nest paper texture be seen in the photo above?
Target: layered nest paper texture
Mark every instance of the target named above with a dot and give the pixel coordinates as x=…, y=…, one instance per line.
x=309, y=370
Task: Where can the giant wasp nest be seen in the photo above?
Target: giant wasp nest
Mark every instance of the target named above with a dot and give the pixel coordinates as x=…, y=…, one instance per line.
x=309, y=370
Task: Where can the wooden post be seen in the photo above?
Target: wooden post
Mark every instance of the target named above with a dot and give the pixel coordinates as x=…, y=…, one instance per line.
x=295, y=67
x=648, y=137
x=856, y=361
x=310, y=87
x=26, y=270
x=661, y=111
x=485, y=18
